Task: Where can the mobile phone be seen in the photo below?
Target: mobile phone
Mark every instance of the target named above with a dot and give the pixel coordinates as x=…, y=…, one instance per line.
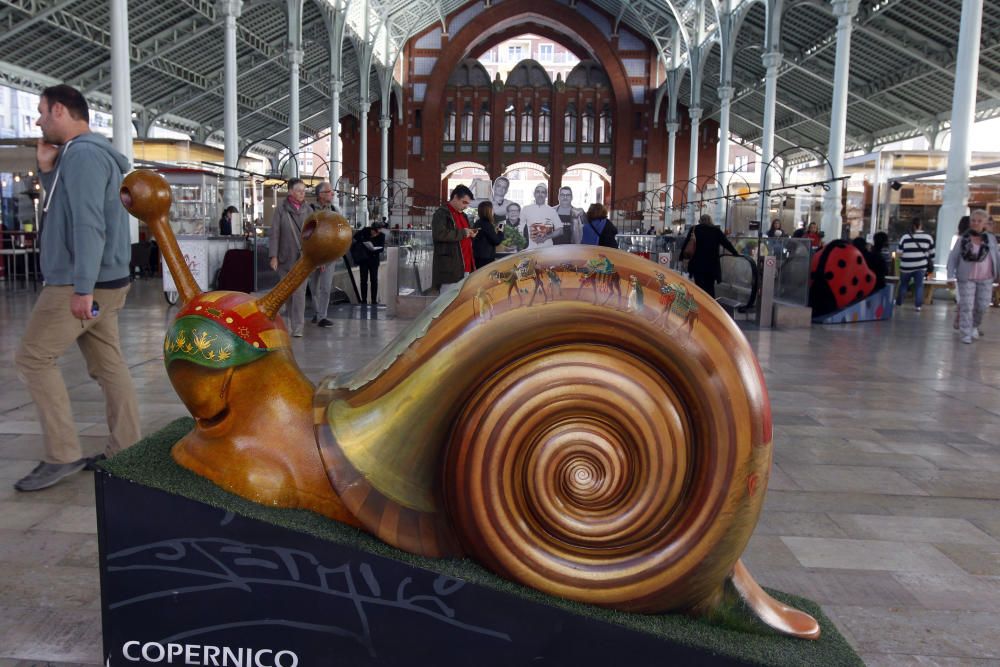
x=95, y=309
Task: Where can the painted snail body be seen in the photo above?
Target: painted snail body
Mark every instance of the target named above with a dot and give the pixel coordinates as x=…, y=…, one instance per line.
x=570, y=417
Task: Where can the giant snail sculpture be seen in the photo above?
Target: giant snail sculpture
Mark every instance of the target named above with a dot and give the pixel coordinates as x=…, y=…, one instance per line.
x=606, y=451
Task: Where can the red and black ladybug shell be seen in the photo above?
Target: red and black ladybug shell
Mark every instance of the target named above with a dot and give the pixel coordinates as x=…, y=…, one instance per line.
x=839, y=277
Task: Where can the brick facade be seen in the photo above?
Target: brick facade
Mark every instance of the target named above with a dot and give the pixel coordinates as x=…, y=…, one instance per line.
x=634, y=155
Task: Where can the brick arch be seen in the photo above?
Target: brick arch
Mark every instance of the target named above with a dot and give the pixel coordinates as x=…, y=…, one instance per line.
x=571, y=29
x=500, y=36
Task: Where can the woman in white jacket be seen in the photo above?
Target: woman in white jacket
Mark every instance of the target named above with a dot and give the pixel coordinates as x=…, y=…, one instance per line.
x=975, y=263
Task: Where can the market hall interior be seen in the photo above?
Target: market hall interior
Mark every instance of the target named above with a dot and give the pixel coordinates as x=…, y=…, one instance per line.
x=856, y=115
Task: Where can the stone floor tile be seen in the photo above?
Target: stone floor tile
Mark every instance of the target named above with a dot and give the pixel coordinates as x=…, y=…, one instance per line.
x=929, y=633
x=989, y=525
x=70, y=519
x=851, y=479
x=875, y=555
x=912, y=529
x=17, y=516
x=49, y=586
x=931, y=437
x=860, y=503
x=798, y=524
x=51, y=635
x=838, y=587
x=953, y=591
x=850, y=455
x=768, y=551
x=779, y=481
x=981, y=560
x=921, y=448
x=956, y=483
x=43, y=547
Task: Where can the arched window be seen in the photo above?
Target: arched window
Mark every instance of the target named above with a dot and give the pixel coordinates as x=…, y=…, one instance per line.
x=544, y=124
x=527, y=125
x=484, y=122
x=509, y=124
x=449, y=123
x=467, y=119
x=605, y=131
x=569, y=125
x=587, y=126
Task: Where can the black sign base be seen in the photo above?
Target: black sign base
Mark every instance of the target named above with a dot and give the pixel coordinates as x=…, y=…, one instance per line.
x=185, y=583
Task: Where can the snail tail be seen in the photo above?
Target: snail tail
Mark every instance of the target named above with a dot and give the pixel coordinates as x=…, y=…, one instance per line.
x=743, y=604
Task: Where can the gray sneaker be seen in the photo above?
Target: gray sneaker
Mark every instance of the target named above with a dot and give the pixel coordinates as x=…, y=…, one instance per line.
x=46, y=474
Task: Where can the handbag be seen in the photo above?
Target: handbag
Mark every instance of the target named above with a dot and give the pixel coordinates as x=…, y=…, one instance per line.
x=690, y=245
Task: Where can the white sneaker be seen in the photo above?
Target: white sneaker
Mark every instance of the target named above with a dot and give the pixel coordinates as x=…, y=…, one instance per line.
x=976, y=334
x=918, y=309
x=967, y=339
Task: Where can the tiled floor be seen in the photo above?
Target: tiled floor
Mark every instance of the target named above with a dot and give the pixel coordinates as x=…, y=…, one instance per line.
x=884, y=503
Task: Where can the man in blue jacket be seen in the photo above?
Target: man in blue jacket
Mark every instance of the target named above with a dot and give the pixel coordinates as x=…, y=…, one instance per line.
x=85, y=252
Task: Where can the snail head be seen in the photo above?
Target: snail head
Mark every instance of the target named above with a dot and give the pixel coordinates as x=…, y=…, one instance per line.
x=212, y=343
x=215, y=334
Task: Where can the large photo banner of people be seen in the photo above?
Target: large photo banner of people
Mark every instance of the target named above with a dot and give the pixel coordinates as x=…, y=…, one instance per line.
x=535, y=224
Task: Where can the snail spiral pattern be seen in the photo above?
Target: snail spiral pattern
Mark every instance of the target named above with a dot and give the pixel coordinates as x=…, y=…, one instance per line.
x=588, y=472
x=586, y=481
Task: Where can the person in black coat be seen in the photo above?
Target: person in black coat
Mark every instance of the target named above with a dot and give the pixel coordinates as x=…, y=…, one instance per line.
x=704, y=265
x=484, y=244
x=368, y=260
x=226, y=221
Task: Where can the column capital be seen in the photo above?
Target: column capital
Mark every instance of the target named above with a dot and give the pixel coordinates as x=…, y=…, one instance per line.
x=363, y=104
x=771, y=59
x=294, y=56
x=336, y=85
x=384, y=122
x=673, y=127
x=726, y=93
x=844, y=8
x=695, y=113
x=233, y=8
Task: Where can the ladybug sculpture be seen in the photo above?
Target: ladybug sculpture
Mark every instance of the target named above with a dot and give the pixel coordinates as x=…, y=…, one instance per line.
x=839, y=277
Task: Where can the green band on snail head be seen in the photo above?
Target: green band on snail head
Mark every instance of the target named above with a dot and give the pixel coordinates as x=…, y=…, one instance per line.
x=202, y=341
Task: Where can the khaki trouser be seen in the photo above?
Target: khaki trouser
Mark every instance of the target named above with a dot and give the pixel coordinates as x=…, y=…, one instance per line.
x=50, y=331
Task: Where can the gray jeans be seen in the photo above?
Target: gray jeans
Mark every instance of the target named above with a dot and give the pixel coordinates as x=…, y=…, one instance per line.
x=973, y=300
x=320, y=282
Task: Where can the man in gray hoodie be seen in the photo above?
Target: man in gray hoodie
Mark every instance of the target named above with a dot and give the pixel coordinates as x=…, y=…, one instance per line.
x=85, y=252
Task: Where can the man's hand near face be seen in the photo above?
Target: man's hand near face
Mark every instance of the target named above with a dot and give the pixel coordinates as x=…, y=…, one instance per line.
x=46, y=154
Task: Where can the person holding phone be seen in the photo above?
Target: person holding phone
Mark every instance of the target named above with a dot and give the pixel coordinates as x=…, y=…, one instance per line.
x=85, y=253
x=489, y=236
x=452, y=236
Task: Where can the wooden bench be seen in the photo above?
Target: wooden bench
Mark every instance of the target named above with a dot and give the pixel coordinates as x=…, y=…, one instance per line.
x=931, y=284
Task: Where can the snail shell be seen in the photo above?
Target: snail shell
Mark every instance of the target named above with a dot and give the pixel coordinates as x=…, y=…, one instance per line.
x=604, y=454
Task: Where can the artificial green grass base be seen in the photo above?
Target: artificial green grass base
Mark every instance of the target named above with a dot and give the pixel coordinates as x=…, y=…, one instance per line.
x=149, y=463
